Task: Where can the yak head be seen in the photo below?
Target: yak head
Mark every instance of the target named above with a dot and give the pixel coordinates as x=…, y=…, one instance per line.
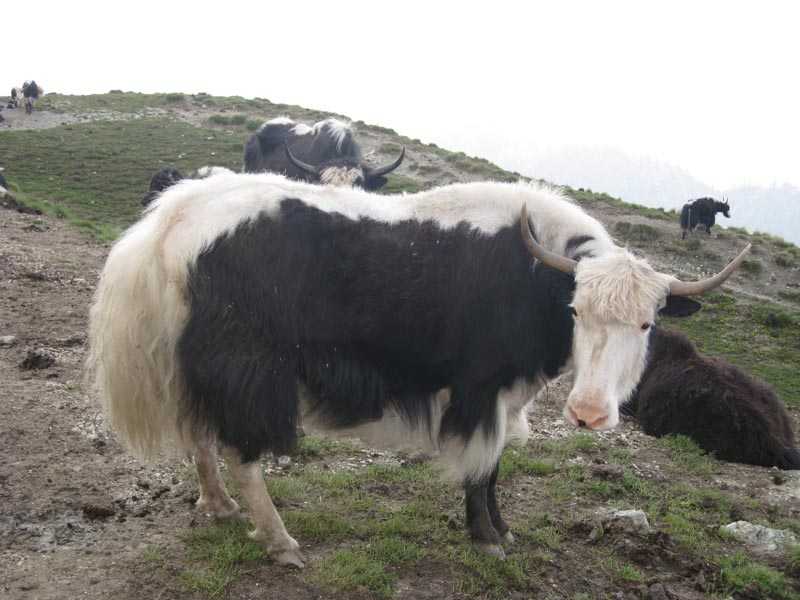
x=350, y=172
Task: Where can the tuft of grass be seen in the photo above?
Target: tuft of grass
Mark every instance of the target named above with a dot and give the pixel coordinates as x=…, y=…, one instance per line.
x=516, y=461
x=487, y=576
x=738, y=573
x=219, y=552
x=317, y=525
x=174, y=98
x=624, y=572
x=397, y=184
x=784, y=259
x=685, y=452
x=751, y=266
x=636, y=232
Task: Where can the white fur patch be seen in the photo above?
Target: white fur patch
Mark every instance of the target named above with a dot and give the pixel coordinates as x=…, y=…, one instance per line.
x=343, y=176
x=338, y=129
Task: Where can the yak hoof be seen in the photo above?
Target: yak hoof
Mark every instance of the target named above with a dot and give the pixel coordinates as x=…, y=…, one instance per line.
x=495, y=550
x=508, y=537
x=289, y=558
x=218, y=509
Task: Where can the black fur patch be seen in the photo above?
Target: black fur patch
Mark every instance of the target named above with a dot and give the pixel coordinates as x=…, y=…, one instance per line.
x=728, y=413
x=574, y=243
x=366, y=315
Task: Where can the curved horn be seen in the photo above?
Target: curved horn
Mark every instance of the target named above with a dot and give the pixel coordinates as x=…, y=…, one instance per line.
x=551, y=259
x=386, y=168
x=695, y=288
x=300, y=164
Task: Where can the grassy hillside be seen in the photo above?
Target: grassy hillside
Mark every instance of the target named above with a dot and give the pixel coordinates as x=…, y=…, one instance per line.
x=379, y=528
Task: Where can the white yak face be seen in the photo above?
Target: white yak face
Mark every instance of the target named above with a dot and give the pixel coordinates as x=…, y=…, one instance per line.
x=342, y=176
x=616, y=300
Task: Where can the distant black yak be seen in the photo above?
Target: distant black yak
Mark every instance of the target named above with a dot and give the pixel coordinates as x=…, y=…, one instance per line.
x=169, y=176
x=701, y=212
x=326, y=153
x=728, y=413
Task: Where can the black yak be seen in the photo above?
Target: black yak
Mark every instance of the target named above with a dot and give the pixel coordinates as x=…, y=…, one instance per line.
x=701, y=213
x=729, y=414
x=327, y=153
x=169, y=176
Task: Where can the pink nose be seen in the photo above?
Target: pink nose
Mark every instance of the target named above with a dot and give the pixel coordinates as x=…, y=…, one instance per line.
x=589, y=416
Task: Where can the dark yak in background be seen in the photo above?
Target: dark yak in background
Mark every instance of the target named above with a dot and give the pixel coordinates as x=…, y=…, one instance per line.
x=728, y=413
x=326, y=153
x=701, y=212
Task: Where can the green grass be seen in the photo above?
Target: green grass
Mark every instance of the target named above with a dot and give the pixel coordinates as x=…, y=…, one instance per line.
x=751, y=266
x=515, y=462
x=218, y=554
x=687, y=454
x=640, y=233
x=739, y=330
x=96, y=173
x=588, y=197
x=739, y=573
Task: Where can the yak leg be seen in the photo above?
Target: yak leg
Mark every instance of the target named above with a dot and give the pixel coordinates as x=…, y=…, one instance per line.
x=214, y=498
x=499, y=523
x=270, y=529
x=479, y=521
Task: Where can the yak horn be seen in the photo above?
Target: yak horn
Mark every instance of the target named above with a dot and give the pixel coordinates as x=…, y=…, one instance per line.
x=300, y=164
x=551, y=259
x=386, y=168
x=695, y=288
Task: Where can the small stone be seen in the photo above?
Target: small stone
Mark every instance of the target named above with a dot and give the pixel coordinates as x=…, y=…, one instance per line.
x=607, y=472
x=761, y=539
x=632, y=521
x=37, y=359
x=284, y=462
x=97, y=510
x=8, y=340
x=657, y=592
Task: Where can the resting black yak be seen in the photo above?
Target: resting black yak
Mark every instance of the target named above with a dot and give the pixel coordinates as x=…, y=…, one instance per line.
x=169, y=176
x=728, y=413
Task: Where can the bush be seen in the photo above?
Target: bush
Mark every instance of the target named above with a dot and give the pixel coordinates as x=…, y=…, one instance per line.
x=752, y=267
x=173, y=98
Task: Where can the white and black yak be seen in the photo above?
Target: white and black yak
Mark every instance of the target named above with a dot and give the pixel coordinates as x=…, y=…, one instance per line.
x=701, y=213
x=729, y=414
x=327, y=153
x=240, y=303
x=169, y=176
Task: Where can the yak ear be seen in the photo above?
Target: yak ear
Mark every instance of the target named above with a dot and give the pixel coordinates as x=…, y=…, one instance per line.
x=679, y=306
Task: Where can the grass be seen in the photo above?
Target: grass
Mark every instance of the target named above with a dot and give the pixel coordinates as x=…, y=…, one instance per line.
x=95, y=174
x=640, y=233
x=687, y=454
x=751, y=266
x=742, y=332
x=739, y=573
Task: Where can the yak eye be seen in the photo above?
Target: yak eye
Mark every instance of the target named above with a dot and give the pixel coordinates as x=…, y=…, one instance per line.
x=645, y=326
x=574, y=312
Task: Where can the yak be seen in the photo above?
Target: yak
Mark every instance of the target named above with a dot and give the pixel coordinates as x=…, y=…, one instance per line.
x=327, y=153
x=729, y=414
x=700, y=213
x=169, y=176
x=239, y=304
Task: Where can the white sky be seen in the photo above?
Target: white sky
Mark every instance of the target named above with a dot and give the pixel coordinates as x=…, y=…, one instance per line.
x=711, y=86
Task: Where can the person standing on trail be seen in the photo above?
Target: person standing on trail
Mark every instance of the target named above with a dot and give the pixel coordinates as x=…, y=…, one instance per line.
x=31, y=91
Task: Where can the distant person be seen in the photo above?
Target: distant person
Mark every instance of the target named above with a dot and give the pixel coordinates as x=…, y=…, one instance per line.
x=31, y=91
x=14, y=101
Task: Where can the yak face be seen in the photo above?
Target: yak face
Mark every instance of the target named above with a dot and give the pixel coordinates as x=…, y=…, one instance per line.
x=616, y=299
x=347, y=172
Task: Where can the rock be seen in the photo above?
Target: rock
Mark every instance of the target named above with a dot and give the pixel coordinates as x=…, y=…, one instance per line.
x=97, y=510
x=37, y=359
x=631, y=521
x=284, y=462
x=657, y=592
x=607, y=472
x=8, y=340
x=761, y=539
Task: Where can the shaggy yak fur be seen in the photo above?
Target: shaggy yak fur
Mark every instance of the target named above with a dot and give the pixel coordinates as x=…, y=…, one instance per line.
x=728, y=413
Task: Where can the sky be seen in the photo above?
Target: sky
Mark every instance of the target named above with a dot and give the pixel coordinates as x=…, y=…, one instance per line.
x=713, y=87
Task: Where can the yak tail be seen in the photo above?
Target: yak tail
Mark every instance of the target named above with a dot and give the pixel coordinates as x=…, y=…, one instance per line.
x=790, y=459
x=135, y=320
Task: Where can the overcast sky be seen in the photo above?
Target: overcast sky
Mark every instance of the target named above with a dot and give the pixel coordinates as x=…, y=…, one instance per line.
x=713, y=87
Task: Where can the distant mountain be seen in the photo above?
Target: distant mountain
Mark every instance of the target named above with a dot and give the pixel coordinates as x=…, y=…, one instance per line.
x=650, y=182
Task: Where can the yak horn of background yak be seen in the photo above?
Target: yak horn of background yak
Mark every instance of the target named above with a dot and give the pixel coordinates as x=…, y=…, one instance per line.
x=299, y=163
x=695, y=288
x=386, y=168
x=562, y=263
